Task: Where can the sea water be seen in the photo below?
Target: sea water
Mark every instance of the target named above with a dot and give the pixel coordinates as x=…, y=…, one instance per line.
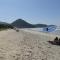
x=52, y=31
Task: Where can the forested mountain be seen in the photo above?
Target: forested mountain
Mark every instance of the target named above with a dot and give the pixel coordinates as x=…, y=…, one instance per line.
x=20, y=23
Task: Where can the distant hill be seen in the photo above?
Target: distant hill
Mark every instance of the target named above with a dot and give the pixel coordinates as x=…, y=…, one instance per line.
x=40, y=25
x=20, y=23
x=4, y=25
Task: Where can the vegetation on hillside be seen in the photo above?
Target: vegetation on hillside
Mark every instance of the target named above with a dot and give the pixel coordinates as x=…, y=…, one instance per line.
x=20, y=23
x=4, y=26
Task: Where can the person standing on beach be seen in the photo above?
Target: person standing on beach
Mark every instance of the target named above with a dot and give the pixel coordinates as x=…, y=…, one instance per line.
x=47, y=29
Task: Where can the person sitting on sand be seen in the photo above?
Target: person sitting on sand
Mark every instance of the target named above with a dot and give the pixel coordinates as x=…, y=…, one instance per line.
x=59, y=41
x=56, y=40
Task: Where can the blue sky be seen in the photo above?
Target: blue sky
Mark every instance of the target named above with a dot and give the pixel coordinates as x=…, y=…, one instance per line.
x=33, y=11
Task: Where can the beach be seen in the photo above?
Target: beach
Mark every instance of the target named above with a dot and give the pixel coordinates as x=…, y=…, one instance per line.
x=27, y=45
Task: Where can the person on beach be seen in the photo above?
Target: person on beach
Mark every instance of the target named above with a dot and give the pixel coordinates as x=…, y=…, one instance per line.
x=59, y=41
x=56, y=40
x=47, y=29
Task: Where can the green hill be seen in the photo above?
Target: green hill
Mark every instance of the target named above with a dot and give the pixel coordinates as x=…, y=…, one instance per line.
x=4, y=25
x=40, y=25
x=20, y=23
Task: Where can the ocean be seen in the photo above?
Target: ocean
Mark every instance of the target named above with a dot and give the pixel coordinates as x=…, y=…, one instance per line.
x=52, y=31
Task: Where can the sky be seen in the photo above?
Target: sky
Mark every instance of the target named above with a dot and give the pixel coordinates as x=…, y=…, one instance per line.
x=32, y=11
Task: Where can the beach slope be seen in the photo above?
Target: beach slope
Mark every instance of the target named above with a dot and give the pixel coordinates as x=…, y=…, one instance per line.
x=27, y=45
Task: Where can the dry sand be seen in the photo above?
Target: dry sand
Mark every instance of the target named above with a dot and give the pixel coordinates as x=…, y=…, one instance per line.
x=27, y=45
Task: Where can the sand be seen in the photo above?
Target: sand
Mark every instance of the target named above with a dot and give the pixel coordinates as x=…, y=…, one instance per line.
x=27, y=45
